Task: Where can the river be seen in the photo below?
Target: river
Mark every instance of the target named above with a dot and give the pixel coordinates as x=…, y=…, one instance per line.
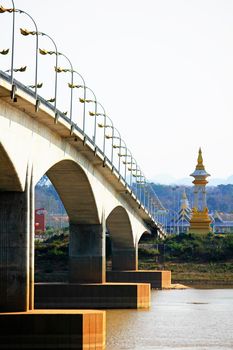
x=189, y=319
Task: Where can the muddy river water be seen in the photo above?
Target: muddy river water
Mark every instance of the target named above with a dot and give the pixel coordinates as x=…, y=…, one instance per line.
x=189, y=319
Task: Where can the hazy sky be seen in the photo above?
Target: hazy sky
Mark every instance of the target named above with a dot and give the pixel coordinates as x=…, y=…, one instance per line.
x=163, y=69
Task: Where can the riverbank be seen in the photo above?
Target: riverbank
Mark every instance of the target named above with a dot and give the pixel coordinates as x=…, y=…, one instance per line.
x=52, y=260
x=195, y=274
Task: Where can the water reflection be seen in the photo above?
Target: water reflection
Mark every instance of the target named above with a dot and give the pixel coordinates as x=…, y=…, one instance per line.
x=191, y=319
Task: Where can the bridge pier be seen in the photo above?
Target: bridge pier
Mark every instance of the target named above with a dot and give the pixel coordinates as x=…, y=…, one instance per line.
x=53, y=329
x=87, y=253
x=124, y=259
x=16, y=250
x=159, y=279
x=22, y=327
x=125, y=270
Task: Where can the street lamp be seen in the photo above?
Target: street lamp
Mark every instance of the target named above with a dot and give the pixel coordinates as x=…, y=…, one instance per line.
x=113, y=137
x=72, y=86
x=133, y=167
x=106, y=126
x=141, y=182
x=44, y=53
x=25, y=32
x=96, y=114
x=140, y=176
x=71, y=70
x=100, y=125
x=20, y=69
x=59, y=70
x=85, y=100
x=125, y=162
x=11, y=10
x=131, y=162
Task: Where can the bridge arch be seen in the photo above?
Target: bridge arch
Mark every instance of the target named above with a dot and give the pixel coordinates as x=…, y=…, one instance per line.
x=9, y=179
x=124, y=251
x=120, y=229
x=142, y=235
x=75, y=191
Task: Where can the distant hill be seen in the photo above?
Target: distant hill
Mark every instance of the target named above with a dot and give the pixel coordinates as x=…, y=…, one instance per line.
x=164, y=179
x=47, y=197
x=219, y=197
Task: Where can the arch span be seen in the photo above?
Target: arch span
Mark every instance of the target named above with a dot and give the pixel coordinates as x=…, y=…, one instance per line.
x=124, y=251
x=120, y=229
x=9, y=180
x=75, y=191
x=144, y=234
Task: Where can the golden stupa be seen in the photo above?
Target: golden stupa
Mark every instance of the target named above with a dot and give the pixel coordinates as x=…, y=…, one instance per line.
x=200, y=220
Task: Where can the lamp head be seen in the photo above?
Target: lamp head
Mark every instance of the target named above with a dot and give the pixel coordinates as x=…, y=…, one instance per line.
x=72, y=86
x=24, y=32
x=3, y=9
x=21, y=69
x=45, y=52
x=122, y=155
x=51, y=99
x=82, y=100
x=38, y=86
x=4, y=52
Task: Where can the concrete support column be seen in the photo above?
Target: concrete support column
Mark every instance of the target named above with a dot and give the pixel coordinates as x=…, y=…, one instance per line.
x=87, y=253
x=16, y=255
x=124, y=259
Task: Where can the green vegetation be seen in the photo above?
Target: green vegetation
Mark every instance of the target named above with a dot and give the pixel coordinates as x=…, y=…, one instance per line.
x=190, y=248
x=51, y=257
x=199, y=248
x=191, y=258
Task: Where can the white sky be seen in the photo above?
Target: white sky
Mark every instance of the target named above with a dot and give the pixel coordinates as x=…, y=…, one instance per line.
x=163, y=69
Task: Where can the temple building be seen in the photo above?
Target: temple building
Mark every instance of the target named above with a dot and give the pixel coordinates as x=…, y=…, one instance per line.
x=200, y=219
x=184, y=214
x=222, y=223
x=179, y=222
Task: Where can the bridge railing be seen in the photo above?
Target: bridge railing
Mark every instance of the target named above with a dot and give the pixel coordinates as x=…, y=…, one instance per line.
x=94, y=123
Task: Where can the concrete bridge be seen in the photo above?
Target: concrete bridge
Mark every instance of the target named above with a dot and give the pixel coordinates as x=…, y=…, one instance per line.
x=102, y=189
x=95, y=195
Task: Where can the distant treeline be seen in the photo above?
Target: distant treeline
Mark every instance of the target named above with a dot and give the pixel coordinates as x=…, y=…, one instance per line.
x=190, y=248
x=219, y=198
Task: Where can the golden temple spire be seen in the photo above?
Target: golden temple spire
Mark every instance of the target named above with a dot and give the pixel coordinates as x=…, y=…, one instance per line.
x=200, y=220
x=200, y=165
